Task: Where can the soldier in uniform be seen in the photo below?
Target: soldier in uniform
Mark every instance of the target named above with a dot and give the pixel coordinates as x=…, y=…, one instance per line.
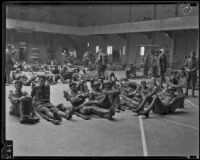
x=101, y=63
x=164, y=102
x=191, y=67
x=100, y=106
x=162, y=66
x=41, y=95
x=22, y=105
x=86, y=59
x=131, y=72
x=9, y=62
x=146, y=64
x=154, y=66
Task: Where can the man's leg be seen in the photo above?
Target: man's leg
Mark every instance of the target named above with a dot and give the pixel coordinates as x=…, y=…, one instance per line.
x=54, y=77
x=61, y=77
x=151, y=106
x=103, y=112
x=194, y=80
x=8, y=78
x=188, y=79
x=141, y=106
x=47, y=112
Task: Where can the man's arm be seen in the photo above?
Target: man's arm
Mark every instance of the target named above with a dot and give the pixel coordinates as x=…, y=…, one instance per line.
x=33, y=92
x=186, y=65
x=12, y=98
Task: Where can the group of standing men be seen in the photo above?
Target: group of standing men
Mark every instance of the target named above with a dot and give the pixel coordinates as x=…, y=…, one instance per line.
x=160, y=65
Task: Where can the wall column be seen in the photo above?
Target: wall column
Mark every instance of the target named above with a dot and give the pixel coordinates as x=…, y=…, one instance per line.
x=197, y=47
x=171, y=49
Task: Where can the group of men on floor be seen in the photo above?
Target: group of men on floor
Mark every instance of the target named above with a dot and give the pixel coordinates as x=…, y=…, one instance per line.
x=107, y=96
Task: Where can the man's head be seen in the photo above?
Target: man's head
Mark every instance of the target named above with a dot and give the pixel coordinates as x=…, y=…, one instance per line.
x=96, y=85
x=171, y=90
x=162, y=51
x=18, y=85
x=76, y=70
x=193, y=54
x=107, y=84
x=143, y=83
x=73, y=86
x=42, y=80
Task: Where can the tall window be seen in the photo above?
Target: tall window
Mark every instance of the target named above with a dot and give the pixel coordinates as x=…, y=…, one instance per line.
x=109, y=50
x=97, y=48
x=142, y=51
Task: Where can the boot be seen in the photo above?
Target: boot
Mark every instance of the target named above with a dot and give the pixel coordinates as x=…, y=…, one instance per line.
x=186, y=93
x=70, y=114
x=193, y=95
x=111, y=113
x=57, y=117
x=137, y=110
x=144, y=113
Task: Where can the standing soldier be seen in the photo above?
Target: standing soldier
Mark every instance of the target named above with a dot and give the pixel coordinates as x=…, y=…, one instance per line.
x=101, y=62
x=154, y=66
x=86, y=58
x=146, y=64
x=9, y=62
x=191, y=67
x=162, y=66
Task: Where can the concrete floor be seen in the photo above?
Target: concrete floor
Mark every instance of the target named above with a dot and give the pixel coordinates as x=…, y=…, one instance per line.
x=127, y=135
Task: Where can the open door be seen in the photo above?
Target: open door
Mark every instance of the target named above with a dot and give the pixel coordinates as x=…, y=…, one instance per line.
x=22, y=51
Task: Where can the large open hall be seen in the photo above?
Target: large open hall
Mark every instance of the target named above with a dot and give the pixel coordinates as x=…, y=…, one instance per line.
x=101, y=79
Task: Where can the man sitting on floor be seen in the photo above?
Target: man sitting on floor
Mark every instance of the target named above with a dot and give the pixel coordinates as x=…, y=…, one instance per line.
x=41, y=95
x=22, y=105
x=56, y=75
x=162, y=103
x=101, y=107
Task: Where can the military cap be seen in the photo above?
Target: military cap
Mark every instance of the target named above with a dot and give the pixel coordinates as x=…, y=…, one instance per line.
x=107, y=82
x=76, y=69
x=42, y=76
x=96, y=83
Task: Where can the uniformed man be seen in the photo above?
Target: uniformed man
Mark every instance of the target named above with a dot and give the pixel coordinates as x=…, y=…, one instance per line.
x=100, y=106
x=9, y=62
x=131, y=71
x=86, y=59
x=22, y=105
x=162, y=66
x=154, y=66
x=101, y=62
x=41, y=95
x=163, y=102
x=191, y=67
x=146, y=64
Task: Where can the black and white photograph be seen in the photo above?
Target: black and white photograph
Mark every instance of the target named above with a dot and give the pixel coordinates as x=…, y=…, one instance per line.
x=100, y=79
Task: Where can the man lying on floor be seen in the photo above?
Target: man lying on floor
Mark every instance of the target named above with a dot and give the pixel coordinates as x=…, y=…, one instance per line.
x=100, y=105
x=164, y=102
x=22, y=105
x=41, y=101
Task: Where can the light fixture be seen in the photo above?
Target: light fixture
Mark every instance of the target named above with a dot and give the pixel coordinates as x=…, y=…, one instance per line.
x=185, y=8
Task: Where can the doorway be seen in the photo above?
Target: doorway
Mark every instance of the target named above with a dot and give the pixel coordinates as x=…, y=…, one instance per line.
x=22, y=51
x=116, y=56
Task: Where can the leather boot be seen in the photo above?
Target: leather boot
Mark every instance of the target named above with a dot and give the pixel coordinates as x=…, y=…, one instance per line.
x=193, y=95
x=144, y=113
x=186, y=93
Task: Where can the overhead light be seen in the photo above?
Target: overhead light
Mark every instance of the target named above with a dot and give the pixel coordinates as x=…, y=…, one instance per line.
x=185, y=8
